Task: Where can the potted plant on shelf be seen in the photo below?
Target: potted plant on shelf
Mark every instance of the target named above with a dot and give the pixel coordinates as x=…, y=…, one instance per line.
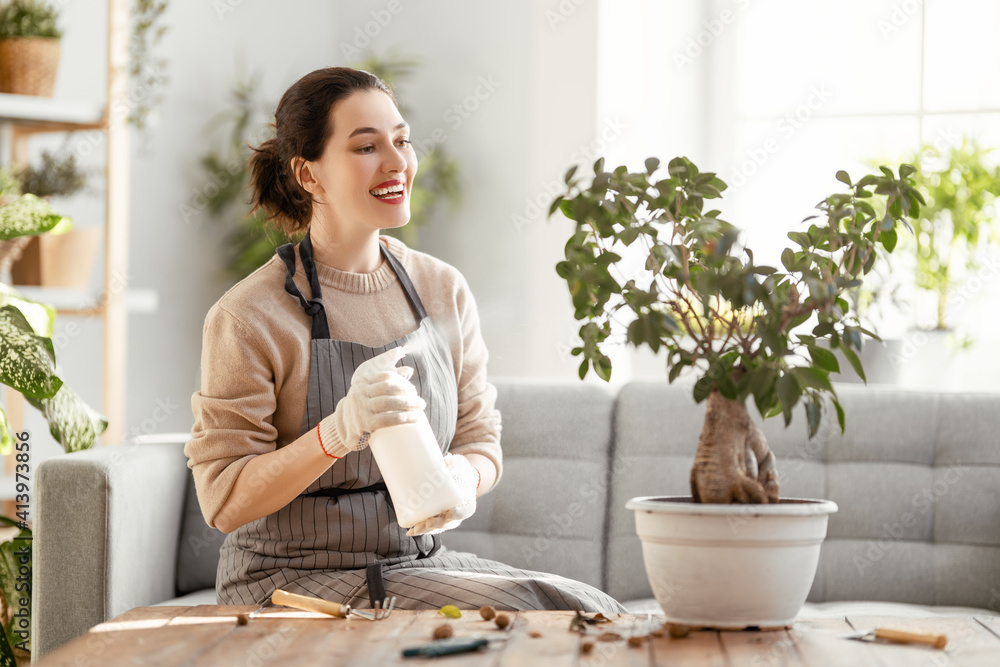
x=65, y=256
x=29, y=48
x=746, y=331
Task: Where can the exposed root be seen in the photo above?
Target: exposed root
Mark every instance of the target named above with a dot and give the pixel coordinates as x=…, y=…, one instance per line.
x=733, y=463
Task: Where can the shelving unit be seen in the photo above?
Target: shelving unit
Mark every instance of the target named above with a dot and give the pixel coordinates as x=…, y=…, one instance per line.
x=23, y=116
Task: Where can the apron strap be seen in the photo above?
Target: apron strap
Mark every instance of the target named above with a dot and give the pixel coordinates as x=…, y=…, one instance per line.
x=314, y=307
x=404, y=280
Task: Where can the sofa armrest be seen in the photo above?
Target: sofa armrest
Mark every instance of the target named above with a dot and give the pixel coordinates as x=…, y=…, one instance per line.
x=106, y=531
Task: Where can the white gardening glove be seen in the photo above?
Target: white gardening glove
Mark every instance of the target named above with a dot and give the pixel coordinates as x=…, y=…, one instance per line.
x=467, y=480
x=380, y=395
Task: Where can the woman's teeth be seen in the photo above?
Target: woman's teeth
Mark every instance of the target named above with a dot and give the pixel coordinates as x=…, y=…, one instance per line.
x=391, y=192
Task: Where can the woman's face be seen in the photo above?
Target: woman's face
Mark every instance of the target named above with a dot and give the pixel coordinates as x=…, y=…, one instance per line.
x=364, y=176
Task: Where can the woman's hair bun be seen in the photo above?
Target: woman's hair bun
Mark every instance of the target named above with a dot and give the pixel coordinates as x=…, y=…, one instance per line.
x=302, y=126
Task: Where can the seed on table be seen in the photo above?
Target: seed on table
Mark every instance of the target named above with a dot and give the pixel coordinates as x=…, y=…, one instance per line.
x=587, y=647
x=242, y=619
x=534, y=634
x=635, y=642
x=487, y=612
x=443, y=631
x=502, y=621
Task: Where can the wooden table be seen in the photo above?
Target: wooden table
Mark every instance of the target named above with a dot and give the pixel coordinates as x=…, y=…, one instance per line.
x=212, y=636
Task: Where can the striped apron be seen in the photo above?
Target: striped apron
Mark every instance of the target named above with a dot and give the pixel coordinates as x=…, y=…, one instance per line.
x=339, y=539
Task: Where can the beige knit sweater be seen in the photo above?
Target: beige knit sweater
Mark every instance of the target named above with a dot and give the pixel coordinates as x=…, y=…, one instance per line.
x=255, y=360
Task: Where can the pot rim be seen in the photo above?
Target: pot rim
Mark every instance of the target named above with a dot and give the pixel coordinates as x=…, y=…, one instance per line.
x=683, y=505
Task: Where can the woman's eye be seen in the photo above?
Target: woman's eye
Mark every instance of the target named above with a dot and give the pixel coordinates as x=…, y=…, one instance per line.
x=403, y=141
x=366, y=149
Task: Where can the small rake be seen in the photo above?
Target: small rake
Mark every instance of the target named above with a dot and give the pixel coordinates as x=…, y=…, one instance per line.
x=308, y=603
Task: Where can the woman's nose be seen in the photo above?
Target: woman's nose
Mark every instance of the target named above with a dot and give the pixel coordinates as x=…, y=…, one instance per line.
x=395, y=160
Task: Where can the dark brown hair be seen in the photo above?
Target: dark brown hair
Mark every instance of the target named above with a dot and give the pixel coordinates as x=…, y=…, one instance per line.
x=302, y=127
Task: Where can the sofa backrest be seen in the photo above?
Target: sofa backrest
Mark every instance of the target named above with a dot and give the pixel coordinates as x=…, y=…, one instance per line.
x=916, y=476
x=548, y=513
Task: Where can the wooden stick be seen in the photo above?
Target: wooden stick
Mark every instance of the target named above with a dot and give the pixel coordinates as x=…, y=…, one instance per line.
x=307, y=603
x=903, y=637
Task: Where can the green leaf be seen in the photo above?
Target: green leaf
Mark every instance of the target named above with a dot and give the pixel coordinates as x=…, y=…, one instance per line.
x=6, y=439
x=73, y=423
x=852, y=358
x=569, y=173
x=815, y=378
x=788, y=258
x=10, y=568
x=40, y=316
x=824, y=358
x=602, y=366
x=906, y=170
x=450, y=610
x=843, y=177
x=652, y=164
x=584, y=367
x=702, y=388
x=840, y=413
x=788, y=393
x=813, y=416
x=27, y=216
x=27, y=360
x=599, y=165
x=888, y=239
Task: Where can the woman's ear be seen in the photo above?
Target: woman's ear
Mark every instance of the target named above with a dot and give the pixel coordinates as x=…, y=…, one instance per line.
x=303, y=173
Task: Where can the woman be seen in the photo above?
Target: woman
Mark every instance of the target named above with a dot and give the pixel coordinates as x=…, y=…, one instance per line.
x=299, y=365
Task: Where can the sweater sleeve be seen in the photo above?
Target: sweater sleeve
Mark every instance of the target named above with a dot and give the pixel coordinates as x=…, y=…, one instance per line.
x=233, y=410
x=478, y=429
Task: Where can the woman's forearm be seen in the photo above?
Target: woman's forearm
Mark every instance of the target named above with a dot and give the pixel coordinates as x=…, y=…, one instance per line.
x=486, y=469
x=270, y=481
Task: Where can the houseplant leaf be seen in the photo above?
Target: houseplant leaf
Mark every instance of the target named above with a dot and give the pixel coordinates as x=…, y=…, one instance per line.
x=6, y=439
x=10, y=566
x=73, y=423
x=40, y=316
x=27, y=216
x=27, y=360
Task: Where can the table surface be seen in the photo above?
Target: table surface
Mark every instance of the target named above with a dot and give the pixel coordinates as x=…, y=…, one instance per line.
x=211, y=636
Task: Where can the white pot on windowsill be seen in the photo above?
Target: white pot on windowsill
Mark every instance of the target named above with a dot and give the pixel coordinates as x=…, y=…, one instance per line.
x=731, y=567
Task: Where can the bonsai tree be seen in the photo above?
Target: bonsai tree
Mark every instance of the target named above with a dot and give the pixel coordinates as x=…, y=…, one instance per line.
x=744, y=329
x=959, y=220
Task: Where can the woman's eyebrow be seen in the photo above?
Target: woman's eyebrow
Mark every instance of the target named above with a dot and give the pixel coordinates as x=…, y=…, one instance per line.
x=372, y=130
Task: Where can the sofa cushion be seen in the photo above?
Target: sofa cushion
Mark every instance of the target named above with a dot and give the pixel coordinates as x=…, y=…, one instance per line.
x=197, y=548
x=548, y=512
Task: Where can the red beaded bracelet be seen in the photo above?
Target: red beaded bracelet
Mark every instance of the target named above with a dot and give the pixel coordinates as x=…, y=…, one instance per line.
x=320, y=437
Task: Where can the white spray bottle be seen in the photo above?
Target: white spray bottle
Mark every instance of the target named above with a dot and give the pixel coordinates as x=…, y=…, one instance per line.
x=412, y=465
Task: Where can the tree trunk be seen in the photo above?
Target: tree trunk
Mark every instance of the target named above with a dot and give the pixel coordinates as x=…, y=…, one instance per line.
x=733, y=463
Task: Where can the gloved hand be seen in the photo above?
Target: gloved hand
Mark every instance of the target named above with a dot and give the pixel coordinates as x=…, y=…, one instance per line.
x=467, y=480
x=380, y=395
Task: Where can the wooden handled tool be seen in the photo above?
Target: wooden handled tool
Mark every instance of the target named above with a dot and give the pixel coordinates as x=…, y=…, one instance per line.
x=902, y=637
x=307, y=603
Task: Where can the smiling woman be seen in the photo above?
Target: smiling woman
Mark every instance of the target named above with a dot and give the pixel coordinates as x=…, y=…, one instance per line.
x=300, y=367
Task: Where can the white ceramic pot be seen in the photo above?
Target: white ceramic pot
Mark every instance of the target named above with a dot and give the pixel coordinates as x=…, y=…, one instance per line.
x=731, y=567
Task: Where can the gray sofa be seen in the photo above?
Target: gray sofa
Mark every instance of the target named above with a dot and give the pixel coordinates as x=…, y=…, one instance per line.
x=916, y=476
